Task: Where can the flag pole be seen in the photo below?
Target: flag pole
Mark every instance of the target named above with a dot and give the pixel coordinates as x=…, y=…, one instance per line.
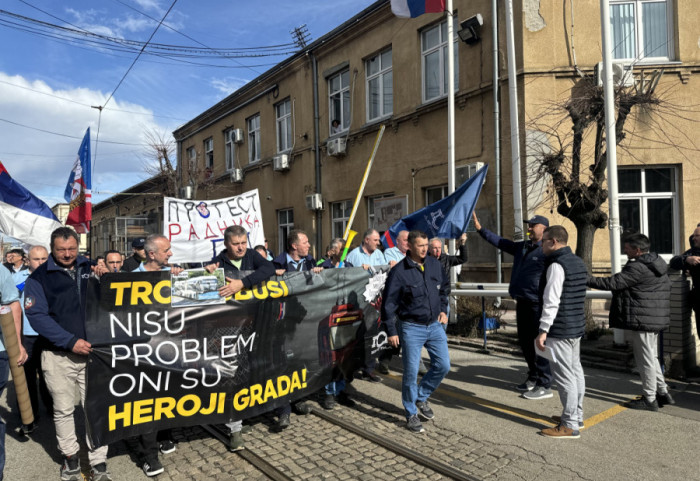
x=364, y=182
x=451, y=129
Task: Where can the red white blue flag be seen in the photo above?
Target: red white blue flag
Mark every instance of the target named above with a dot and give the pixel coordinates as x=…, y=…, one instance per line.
x=416, y=8
x=23, y=215
x=78, y=192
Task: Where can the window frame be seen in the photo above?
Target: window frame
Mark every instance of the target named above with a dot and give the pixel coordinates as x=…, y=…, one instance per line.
x=441, y=48
x=379, y=75
x=254, y=138
x=639, y=32
x=346, y=206
x=342, y=90
x=209, y=153
x=230, y=149
x=443, y=188
x=644, y=196
x=284, y=228
x=284, y=121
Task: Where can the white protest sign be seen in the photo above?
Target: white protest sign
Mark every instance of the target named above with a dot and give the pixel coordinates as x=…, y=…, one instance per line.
x=196, y=227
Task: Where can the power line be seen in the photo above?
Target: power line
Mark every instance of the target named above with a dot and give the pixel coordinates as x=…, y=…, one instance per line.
x=66, y=135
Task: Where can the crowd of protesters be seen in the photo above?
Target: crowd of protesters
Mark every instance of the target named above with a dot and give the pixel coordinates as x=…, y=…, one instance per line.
x=46, y=292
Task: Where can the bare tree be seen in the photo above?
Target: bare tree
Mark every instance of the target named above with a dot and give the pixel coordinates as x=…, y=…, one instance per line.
x=161, y=161
x=574, y=163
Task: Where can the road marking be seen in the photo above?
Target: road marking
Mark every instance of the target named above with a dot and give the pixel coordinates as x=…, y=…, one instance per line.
x=522, y=413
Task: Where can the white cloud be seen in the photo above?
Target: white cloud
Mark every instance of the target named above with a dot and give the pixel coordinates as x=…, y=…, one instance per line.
x=41, y=161
x=228, y=85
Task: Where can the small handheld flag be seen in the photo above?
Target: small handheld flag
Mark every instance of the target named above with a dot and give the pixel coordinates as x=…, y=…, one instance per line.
x=78, y=191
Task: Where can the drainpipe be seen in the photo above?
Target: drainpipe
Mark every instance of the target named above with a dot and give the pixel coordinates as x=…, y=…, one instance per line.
x=496, y=130
x=317, y=152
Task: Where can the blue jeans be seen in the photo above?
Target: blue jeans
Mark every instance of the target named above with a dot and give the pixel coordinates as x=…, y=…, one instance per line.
x=4, y=374
x=413, y=337
x=334, y=387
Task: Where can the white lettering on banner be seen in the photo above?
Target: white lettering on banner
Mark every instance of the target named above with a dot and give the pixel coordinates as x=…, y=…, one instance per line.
x=196, y=227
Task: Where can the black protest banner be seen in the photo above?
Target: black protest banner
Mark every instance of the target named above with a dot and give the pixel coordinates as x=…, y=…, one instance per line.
x=155, y=367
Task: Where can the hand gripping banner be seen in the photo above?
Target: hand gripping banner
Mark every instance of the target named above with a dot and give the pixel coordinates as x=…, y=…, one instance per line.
x=155, y=367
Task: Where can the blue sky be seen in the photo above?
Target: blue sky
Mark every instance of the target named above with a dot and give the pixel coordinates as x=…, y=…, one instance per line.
x=50, y=79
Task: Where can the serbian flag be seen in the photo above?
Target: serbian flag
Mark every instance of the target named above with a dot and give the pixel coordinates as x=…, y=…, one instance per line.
x=447, y=218
x=78, y=192
x=416, y=8
x=23, y=215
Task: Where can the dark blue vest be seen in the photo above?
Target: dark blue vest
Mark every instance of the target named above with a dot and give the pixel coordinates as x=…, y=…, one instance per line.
x=570, y=322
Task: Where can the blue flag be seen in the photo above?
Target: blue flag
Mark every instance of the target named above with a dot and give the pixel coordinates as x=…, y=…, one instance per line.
x=447, y=218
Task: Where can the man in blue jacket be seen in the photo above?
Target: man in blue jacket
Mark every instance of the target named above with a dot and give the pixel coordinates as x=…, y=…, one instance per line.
x=414, y=306
x=54, y=303
x=528, y=264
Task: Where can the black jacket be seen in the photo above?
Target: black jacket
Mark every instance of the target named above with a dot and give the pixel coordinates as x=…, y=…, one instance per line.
x=447, y=261
x=678, y=263
x=251, y=261
x=280, y=262
x=641, y=294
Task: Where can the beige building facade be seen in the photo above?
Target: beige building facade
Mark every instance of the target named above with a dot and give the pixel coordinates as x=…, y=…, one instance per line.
x=277, y=133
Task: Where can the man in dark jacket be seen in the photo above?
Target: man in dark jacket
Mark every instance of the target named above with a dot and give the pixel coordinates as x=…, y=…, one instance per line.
x=54, y=302
x=138, y=256
x=528, y=264
x=562, y=293
x=448, y=261
x=689, y=262
x=641, y=306
x=413, y=310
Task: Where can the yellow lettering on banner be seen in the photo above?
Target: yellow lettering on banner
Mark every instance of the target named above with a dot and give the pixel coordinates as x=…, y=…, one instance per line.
x=141, y=290
x=119, y=287
x=273, y=289
x=157, y=295
x=212, y=404
x=114, y=416
x=143, y=410
x=283, y=390
x=269, y=390
x=241, y=400
x=164, y=407
x=196, y=405
x=296, y=383
x=256, y=394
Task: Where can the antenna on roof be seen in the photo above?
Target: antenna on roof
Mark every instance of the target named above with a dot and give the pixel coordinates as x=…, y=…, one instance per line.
x=300, y=35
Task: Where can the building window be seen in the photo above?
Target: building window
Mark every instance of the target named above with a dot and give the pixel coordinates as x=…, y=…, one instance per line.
x=209, y=153
x=192, y=158
x=284, y=125
x=370, y=209
x=339, y=102
x=648, y=201
x=380, y=86
x=434, y=50
x=340, y=213
x=285, y=224
x=640, y=29
x=229, y=138
x=253, y=138
x=433, y=194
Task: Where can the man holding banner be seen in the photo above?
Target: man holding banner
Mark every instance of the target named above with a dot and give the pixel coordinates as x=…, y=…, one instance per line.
x=54, y=303
x=414, y=310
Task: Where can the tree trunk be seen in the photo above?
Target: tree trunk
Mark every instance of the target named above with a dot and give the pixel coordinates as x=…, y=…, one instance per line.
x=584, y=249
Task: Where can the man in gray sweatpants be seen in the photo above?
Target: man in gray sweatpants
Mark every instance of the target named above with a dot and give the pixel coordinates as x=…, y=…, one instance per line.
x=562, y=324
x=641, y=306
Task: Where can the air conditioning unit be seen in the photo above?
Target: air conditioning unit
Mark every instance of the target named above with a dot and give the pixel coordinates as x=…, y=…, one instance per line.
x=237, y=176
x=237, y=136
x=336, y=147
x=314, y=202
x=622, y=74
x=280, y=162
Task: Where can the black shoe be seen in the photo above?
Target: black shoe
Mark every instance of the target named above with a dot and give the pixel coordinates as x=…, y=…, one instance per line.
x=424, y=410
x=26, y=429
x=371, y=377
x=283, y=421
x=70, y=469
x=526, y=386
x=345, y=400
x=152, y=467
x=383, y=368
x=99, y=473
x=327, y=401
x=413, y=424
x=167, y=447
x=664, y=398
x=643, y=404
x=302, y=407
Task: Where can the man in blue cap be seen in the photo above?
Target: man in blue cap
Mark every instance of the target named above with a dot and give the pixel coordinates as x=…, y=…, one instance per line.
x=528, y=264
x=134, y=261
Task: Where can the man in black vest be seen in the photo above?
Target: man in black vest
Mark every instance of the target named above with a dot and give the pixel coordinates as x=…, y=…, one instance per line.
x=562, y=324
x=641, y=305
